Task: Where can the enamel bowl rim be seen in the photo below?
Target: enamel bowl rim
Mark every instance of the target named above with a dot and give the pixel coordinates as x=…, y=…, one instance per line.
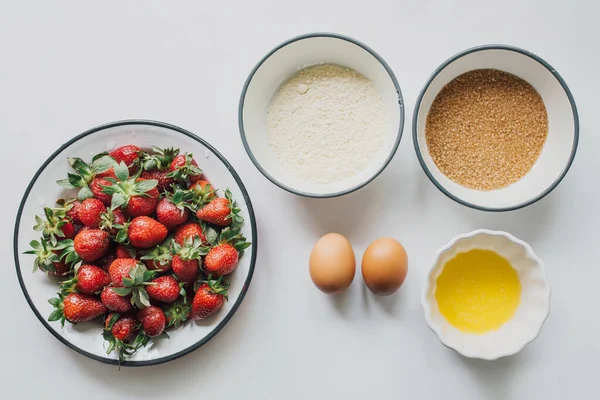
x=543, y=63
x=313, y=35
x=426, y=288
x=246, y=284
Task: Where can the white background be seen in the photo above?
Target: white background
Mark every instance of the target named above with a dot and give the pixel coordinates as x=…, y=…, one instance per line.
x=68, y=66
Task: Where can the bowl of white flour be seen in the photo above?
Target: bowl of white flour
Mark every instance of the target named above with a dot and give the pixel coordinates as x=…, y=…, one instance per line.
x=321, y=115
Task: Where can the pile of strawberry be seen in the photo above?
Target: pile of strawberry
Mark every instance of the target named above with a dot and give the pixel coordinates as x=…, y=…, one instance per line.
x=147, y=244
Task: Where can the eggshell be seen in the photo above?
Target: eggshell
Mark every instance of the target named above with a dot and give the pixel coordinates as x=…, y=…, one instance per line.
x=384, y=266
x=332, y=264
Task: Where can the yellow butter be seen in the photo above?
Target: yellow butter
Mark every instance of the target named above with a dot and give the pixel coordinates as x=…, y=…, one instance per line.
x=478, y=291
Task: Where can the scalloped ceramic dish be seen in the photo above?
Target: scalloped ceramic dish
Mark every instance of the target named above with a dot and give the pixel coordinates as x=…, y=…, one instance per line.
x=43, y=191
x=526, y=323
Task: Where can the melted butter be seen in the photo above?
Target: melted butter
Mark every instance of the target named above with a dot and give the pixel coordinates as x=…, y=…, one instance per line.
x=478, y=291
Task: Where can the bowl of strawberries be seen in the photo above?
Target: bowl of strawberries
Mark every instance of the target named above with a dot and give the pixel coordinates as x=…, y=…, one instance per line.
x=142, y=241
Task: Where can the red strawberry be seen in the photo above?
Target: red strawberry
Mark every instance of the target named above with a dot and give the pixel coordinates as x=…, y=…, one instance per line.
x=127, y=154
x=107, y=321
x=124, y=329
x=222, y=259
x=186, y=270
x=216, y=212
x=187, y=231
x=209, y=299
x=185, y=168
x=97, y=187
x=112, y=220
x=153, y=320
x=90, y=211
x=48, y=257
x=186, y=261
x=83, y=229
x=221, y=211
x=178, y=312
x=164, y=182
x=123, y=251
x=120, y=269
x=199, y=185
x=76, y=307
x=136, y=196
x=145, y=232
x=84, y=173
x=170, y=214
x=165, y=289
x=200, y=194
x=159, y=259
x=142, y=204
x=91, y=244
x=121, y=333
x=60, y=269
x=204, y=188
x=88, y=280
x=56, y=225
x=114, y=302
x=68, y=230
x=73, y=211
x=132, y=281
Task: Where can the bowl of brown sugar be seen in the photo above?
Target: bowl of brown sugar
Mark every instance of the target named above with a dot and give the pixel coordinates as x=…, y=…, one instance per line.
x=495, y=128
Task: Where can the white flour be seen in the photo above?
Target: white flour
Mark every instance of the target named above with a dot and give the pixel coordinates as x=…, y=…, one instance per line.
x=326, y=123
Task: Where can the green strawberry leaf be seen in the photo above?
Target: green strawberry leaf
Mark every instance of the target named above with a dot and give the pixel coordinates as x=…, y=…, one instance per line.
x=149, y=164
x=76, y=180
x=102, y=163
x=118, y=200
x=138, y=275
x=111, y=322
x=85, y=193
x=242, y=246
x=77, y=163
x=145, y=185
x=148, y=275
x=121, y=171
x=143, y=296
x=55, y=315
x=122, y=291
x=65, y=183
x=100, y=155
x=54, y=302
x=122, y=236
x=211, y=235
x=128, y=282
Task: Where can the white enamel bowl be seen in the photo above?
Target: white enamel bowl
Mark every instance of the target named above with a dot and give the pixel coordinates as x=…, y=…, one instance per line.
x=43, y=191
x=530, y=315
x=563, y=126
x=285, y=61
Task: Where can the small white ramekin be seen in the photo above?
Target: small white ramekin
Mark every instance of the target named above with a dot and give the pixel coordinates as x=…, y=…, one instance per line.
x=529, y=317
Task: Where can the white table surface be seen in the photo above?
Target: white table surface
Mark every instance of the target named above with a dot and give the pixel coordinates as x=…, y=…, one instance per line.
x=67, y=66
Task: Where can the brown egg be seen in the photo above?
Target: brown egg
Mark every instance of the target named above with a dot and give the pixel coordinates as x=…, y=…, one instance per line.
x=332, y=264
x=384, y=266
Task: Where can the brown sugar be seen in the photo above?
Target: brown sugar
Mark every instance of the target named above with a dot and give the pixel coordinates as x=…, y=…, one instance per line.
x=486, y=129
